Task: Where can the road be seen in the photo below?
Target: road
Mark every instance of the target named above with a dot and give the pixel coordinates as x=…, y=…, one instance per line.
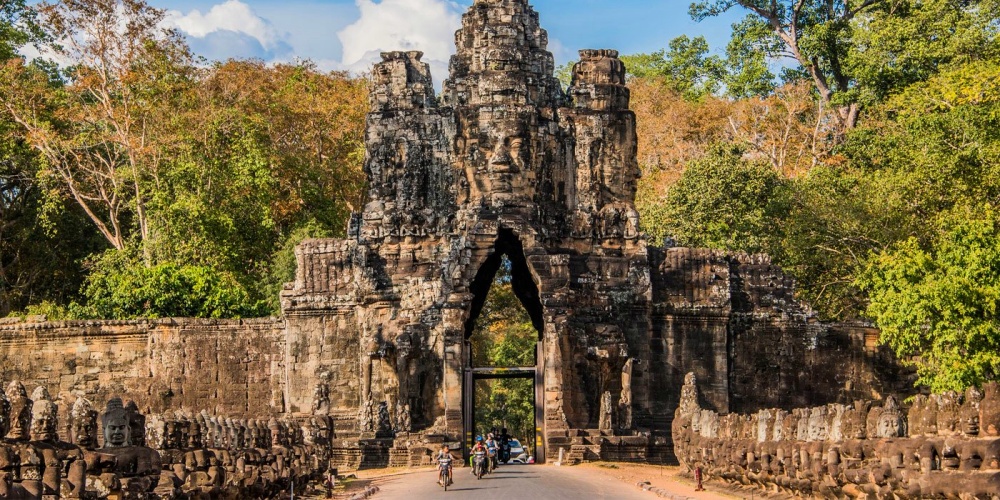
x=511, y=482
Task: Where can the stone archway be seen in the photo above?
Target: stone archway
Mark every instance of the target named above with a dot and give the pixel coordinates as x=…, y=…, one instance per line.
x=524, y=283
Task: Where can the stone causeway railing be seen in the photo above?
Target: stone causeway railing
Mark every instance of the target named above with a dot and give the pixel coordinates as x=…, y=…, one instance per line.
x=943, y=446
x=180, y=455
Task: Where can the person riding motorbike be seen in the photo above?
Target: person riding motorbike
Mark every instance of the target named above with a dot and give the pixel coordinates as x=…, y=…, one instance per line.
x=492, y=448
x=479, y=455
x=444, y=459
x=504, y=442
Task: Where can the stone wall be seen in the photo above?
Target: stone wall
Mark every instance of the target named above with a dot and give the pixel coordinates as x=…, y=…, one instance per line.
x=945, y=446
x=233, y=367
x=733, y=321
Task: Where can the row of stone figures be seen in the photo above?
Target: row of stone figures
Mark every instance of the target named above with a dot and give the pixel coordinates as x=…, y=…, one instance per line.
x=195, y=455
x=944, y=446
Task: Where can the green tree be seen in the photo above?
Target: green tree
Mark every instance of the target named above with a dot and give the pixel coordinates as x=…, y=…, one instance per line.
x=121, y=287
x=103, y=135
x=931, y=147
x=42, y=239
x=684, y=66
x=938, y=306
x=19, y=27
x=722, y=201
x=855, y=52
x=748, y=59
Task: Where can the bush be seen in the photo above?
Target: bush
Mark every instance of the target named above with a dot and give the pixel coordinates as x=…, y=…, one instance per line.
x=121, y=287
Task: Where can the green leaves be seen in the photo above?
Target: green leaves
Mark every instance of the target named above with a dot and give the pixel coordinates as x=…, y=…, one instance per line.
x=722, y=201
x=18, y=27
x=685, y=67
x=938, y=307
x=121, y=287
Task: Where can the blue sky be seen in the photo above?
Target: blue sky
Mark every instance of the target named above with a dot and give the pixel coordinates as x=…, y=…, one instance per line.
x=348, y=34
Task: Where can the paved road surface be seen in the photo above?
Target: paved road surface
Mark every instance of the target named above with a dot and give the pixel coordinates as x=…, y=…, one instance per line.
x=513, y=482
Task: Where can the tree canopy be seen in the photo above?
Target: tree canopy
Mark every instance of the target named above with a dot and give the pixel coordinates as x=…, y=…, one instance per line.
x=150, y=173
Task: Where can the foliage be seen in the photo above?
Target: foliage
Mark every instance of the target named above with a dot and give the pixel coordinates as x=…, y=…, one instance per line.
x=564, y=74
x=938, y=307
x=19, y=27
x=208, y=166
x=855, y=53
x=907, y=42
x=748, y=59
x=42, y=239
x=119, y=287
x=721, y=201
x=930, y=148
x=684, y=67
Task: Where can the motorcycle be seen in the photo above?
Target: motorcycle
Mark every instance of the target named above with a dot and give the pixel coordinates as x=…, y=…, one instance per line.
x=444, y=477
x=479, y=466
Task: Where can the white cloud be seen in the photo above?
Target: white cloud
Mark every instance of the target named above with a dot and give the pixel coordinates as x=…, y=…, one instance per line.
x=425, y=25
x=230, y=29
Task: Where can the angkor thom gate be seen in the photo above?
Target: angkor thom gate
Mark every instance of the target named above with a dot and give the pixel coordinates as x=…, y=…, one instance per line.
x=504, y=162
x=376, y=327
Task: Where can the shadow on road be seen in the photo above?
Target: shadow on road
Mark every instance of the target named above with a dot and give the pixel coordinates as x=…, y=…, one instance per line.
x=452, y=488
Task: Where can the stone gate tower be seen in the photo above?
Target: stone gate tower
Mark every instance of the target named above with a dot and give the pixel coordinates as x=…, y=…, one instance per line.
x=505, y=162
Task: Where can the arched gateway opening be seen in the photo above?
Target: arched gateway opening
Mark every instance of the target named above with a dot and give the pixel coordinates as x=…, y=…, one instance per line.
x=503, y=373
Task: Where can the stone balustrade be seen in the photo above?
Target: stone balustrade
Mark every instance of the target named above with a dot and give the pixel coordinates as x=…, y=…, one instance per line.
x=178, y=455
x=944, y=446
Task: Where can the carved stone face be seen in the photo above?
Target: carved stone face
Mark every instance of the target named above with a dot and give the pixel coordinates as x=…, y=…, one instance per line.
x=137, y=424
x=83, y=424
x=969, y=413
x=44, y=422
x=506, y=153
x=20, y=412
x=116, y=432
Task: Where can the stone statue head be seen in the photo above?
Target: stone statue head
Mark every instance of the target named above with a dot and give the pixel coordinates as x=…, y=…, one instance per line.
x=969, y=412
x=83, y=424
x=44, y=418
x=136, y=424
x=272, y=425
x=195, y=436
x=20, y=412
x=156, y=430
x=116, y=425
x=890, y=422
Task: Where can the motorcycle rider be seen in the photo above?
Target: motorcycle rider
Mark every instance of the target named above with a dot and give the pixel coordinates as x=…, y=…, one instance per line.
x=492, y=448
x=444, y=459
x=504, y=442
x=479, y=453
